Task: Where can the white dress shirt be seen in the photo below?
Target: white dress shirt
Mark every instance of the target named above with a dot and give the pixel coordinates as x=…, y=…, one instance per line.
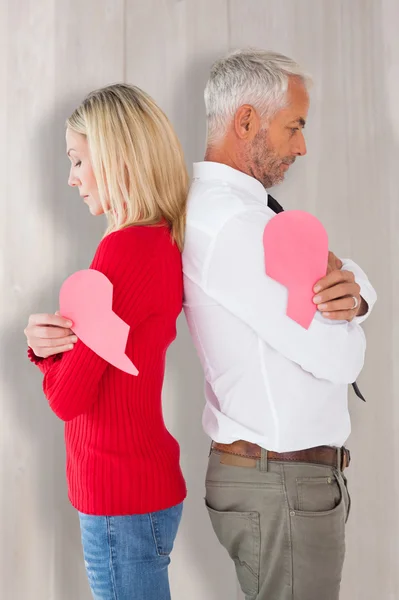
x=268, y=380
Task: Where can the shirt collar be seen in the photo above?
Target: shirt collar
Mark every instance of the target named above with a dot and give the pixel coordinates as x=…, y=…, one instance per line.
x=209, y=171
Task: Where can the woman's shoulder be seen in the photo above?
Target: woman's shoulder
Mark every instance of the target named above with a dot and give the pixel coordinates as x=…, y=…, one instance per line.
x=139, y=253
x=129, y=237
x=144, y=239
x=139, y=234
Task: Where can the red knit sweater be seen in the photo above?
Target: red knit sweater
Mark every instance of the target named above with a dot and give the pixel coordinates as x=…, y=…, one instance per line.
x=120, y=457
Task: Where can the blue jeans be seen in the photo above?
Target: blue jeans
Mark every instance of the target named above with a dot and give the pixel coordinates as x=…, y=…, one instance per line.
x=127, y=557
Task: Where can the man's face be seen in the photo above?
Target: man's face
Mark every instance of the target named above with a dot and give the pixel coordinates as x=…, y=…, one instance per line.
x=276, y=147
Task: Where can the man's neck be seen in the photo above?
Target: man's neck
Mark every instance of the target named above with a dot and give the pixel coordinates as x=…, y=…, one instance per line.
x=220, y=155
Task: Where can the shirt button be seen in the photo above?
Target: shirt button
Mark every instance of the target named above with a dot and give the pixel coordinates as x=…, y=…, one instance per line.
x=292, y=513
x=329, y=480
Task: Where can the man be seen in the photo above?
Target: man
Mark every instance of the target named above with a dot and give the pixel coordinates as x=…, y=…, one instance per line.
x=276, y=393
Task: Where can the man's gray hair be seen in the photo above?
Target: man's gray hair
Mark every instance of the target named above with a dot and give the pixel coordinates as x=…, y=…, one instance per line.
x=247, y=76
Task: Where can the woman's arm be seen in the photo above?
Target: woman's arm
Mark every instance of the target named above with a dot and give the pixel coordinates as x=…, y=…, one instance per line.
x=71, y=380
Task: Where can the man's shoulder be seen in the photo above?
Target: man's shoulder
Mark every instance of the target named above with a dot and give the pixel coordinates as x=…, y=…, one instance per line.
x=211, y=204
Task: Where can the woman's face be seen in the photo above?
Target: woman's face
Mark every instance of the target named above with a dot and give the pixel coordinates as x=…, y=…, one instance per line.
x=81, y=174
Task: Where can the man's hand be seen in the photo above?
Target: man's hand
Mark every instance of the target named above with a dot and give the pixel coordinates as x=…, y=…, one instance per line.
x=49, y=334
x=336, y=293
x=334, y=263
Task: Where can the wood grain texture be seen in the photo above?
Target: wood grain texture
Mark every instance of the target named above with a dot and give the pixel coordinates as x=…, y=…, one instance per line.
x=348, y=179
x=52, y=54
x=56, y=53
x=170, y=46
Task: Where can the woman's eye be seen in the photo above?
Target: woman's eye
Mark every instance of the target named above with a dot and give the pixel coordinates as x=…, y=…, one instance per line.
x=78, y=164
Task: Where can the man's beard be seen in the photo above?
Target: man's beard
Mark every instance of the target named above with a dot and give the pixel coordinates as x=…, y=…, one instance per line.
x=265, y=165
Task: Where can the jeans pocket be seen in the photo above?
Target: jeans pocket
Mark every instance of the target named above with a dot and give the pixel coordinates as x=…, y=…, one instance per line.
x=318, y=494
x=165, y=524
x=239, y=533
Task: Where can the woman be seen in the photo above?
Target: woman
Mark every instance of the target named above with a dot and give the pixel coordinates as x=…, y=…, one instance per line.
x=123, y=467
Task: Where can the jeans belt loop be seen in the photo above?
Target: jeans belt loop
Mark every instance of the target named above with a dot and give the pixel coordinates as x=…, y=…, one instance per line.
x=263, y=460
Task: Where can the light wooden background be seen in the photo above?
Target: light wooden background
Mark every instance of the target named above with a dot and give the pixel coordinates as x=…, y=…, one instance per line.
x=52, y=52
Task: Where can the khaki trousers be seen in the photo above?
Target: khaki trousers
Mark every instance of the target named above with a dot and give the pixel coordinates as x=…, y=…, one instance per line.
x=283, y=524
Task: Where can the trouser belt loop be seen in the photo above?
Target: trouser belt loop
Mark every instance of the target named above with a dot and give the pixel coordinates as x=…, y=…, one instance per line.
x=263, y=460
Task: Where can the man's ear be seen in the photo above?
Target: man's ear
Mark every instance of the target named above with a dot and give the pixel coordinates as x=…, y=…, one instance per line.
x=246, y=122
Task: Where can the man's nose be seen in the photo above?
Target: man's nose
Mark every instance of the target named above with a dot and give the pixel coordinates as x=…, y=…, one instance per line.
x=300, y=145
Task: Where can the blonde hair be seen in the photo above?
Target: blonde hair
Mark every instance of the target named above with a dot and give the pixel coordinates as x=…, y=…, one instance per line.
x=136, y=157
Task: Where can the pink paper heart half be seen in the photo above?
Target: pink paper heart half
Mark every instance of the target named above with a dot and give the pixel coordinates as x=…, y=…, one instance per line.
x=86, y=299
x=296, y=255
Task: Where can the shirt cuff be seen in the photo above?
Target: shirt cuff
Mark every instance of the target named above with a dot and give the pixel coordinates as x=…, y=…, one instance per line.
x=367, y=291
x=368, y=294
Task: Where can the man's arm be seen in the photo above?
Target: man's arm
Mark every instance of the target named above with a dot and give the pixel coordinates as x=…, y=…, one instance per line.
x=344, y=283
x=367, y=292
x=236, y=278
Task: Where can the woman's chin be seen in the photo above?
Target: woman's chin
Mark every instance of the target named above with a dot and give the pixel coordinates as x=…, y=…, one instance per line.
x=96, y=211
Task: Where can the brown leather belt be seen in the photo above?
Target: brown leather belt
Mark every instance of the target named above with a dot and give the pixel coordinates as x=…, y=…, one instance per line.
x=339, y=458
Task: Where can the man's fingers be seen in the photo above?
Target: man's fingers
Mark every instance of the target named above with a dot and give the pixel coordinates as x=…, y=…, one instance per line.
x=338, y=292
x=47, y=319
x=334, y=263
x=332, y=279
x=331, y=263
x=342, y=304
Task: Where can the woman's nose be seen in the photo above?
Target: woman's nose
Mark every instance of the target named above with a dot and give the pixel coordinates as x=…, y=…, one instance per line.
x=73, y=181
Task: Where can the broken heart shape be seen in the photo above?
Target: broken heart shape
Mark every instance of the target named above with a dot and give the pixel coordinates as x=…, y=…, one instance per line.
x=86, y=299
x=296, y=255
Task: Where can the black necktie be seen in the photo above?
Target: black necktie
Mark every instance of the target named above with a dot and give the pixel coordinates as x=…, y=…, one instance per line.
x=277, y=208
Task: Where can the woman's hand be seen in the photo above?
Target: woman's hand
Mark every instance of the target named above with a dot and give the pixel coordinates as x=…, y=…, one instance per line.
x=48, y=335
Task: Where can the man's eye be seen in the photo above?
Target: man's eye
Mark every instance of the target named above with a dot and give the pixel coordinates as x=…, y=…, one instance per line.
x=293, y=131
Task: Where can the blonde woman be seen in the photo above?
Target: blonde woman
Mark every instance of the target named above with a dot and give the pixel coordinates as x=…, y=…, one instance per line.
x=123, y=467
